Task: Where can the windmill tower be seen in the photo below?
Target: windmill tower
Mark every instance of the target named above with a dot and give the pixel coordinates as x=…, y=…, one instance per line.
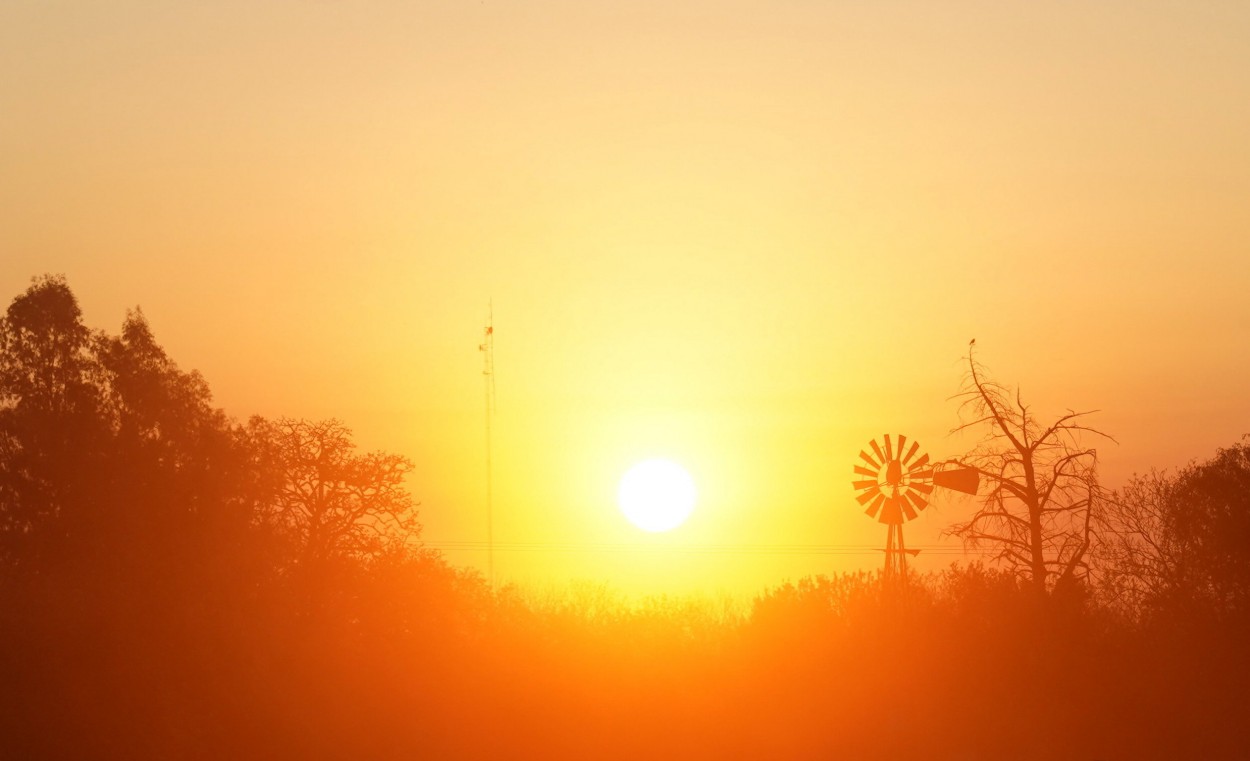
x=895, y=485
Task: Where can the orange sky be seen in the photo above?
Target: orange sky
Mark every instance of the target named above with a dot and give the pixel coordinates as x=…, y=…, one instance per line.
x=747, y=236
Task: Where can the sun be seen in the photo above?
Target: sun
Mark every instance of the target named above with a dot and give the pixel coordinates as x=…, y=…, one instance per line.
x=656, y=495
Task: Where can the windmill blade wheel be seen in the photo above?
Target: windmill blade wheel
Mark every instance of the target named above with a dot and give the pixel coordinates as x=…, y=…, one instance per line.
x=893, y=480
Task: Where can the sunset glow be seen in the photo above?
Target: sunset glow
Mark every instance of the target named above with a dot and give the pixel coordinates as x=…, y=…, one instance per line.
x=624, y=379
x=763, y=232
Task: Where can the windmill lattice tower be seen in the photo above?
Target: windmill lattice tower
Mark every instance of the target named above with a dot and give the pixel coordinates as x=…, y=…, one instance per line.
x=897, y=485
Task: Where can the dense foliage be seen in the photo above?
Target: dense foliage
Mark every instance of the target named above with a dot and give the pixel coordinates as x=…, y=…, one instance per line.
x=177, y=585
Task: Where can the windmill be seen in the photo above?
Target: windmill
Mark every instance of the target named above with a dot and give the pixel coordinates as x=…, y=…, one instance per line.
x=895, y=484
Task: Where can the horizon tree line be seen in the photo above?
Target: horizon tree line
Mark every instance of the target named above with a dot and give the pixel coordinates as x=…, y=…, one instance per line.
x=104, y=438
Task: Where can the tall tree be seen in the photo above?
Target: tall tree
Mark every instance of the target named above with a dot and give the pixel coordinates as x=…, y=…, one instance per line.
x=44, y=350
x=51, y=429
x=177, y=466
x=111, y=457
x=1038, y=514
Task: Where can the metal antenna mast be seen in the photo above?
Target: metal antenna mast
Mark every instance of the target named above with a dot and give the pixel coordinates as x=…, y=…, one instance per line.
x=487, y=347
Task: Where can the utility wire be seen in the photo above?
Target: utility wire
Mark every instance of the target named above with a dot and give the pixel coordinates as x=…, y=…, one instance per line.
x=712, y=549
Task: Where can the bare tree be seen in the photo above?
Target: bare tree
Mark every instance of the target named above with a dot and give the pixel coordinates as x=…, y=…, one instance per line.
x=328, y=500
x=1138, y=555
x=1038, y=515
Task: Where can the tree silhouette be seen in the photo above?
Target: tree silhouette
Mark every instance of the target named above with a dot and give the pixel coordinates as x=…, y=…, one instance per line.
x=50, y=423
x=1038, y=514
x=112, y=460
x=1178, y=545
x=328, y=501
x=177, y=474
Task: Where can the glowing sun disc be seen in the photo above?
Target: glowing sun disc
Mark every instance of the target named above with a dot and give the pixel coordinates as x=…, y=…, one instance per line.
x=656, y=495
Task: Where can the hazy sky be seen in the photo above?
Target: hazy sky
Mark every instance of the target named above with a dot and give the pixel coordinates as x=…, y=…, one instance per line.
x=748, y=236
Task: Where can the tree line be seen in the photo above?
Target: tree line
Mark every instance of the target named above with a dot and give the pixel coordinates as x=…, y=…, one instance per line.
x=178, y=584
x=108, y=448
x=1165, y=544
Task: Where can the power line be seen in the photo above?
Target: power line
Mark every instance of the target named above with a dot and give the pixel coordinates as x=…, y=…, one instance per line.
x=711, y=549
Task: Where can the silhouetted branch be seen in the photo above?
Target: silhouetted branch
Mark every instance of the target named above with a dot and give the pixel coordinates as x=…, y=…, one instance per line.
x=1040, y=504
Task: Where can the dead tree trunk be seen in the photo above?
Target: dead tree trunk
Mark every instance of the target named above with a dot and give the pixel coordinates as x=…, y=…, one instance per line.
x=1036, y=516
